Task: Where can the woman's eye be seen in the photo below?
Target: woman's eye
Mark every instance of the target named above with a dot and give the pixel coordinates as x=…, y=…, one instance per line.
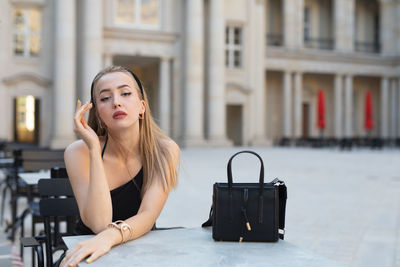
x=126, y=93
x=104, y=98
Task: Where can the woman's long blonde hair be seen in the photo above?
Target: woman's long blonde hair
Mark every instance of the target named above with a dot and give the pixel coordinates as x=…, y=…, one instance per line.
x=156, y=158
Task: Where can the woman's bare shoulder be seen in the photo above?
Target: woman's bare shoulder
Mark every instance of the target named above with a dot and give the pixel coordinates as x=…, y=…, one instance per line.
x=76, y=148
x=79, y=147
x=172, y=147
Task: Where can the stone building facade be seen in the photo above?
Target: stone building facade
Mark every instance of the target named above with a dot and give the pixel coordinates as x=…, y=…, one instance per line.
x=217, y=72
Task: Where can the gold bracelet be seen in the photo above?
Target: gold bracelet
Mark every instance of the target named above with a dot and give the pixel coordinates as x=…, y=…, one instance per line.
x=122, y=227
x=115, y=226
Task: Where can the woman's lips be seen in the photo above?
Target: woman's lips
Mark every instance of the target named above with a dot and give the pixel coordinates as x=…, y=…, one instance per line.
x=119, y=115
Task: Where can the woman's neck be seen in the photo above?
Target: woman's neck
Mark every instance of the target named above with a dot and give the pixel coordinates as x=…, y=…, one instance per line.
x=124, y=143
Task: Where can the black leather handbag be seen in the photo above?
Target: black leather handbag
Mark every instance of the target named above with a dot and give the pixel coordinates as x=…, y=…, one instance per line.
x=248, y=211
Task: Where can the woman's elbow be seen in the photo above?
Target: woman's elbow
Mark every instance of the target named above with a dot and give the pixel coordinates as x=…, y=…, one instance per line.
x=97, y=227
x=151, y=221
x=96, y=223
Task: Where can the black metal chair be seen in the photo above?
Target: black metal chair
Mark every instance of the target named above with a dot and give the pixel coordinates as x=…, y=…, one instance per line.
x=33, y=209
x=56, y=201
x=28, y=160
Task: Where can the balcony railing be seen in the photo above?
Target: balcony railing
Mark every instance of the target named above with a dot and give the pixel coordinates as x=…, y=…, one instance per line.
x=373, y=47
x=318, y=43
x=274, y=39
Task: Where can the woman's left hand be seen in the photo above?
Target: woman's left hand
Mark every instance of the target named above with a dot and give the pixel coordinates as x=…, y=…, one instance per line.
x=91, y=249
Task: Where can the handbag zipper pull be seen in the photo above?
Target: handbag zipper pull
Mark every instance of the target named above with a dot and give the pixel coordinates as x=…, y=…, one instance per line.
x=247, y=219
x=245, y=199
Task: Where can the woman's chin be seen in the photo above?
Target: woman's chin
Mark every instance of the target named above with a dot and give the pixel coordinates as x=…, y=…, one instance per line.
x=121, y=126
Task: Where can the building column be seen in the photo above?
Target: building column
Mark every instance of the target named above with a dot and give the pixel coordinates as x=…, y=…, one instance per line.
x=387, y=34
x=384, y=107
x=193, y=132
x=107, y=60
x=259, y=121
x=164, y=101
x=64, y=74
x=298, y=104
x=338, y=105
x=344, y=20
x=348, y=106
x=393, y=108
x=287, y=104
x=293, y=23
x=398, y=102
x=92, y=45
x=216, y=113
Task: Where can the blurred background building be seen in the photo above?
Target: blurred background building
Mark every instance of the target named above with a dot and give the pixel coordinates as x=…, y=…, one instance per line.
x=217, y=72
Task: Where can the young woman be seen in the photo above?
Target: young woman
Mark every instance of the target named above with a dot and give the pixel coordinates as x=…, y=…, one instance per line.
x=122, y=169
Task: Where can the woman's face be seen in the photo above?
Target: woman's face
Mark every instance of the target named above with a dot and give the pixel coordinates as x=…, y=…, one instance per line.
x=117, y=100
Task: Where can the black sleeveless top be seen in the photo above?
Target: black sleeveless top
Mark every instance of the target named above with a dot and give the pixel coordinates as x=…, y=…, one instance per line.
x=125, y=200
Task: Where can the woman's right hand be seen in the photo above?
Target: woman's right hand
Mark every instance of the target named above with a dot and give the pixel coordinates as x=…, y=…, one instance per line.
x=82, y=129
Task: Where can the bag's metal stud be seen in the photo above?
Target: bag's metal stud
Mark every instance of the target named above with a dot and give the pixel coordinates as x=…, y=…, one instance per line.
x=240, y=239
x=248, y=226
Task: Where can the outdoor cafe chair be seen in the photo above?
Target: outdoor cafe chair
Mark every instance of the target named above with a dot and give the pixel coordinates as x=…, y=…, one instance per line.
x=56, y=200
x=27, y=160
x=34, y=211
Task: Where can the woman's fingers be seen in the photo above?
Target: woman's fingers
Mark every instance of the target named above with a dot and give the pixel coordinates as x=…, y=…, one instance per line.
x=80, y=112
x=81, y=109
x=95, y=255
x=90, y=249
x=78, y=105
x=83, y=120
x=71, y=252
x=79, y=256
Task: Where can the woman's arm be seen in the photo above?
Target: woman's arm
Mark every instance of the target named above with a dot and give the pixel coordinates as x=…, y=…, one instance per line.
x=87, y=176
x=152, y=203
x=86, y=173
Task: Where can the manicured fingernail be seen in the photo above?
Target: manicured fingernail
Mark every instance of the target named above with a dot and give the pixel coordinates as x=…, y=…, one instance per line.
x=88, y=261
x=70, y=265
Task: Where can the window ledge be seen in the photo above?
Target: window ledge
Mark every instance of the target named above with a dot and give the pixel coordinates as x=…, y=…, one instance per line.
x=27, y=76
x=139, y=34
x=28, y=3
x=26, y=60
x=329, y=55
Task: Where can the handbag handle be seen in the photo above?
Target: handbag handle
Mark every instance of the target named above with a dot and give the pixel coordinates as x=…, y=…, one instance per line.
x=229, y=169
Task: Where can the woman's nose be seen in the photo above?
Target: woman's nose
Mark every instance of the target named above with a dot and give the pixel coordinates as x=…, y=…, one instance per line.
x=116, y=102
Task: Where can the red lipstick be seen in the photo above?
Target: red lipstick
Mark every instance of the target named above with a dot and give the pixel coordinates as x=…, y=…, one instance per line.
x=119, y=115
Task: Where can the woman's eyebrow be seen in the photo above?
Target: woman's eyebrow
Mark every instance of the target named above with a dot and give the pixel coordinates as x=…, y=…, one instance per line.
x=104, y=90
x=119, y=87
x=122, y=86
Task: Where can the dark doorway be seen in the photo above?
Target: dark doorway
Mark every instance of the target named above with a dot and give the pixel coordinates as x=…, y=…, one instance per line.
x=147, y=69
x=234, y=124
x=306, y=120
x=26, y=119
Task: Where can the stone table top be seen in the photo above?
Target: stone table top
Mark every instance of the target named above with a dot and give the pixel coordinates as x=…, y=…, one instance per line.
x=195, y=247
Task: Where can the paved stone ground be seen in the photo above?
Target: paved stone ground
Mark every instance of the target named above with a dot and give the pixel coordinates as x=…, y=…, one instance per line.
x=342, y=205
